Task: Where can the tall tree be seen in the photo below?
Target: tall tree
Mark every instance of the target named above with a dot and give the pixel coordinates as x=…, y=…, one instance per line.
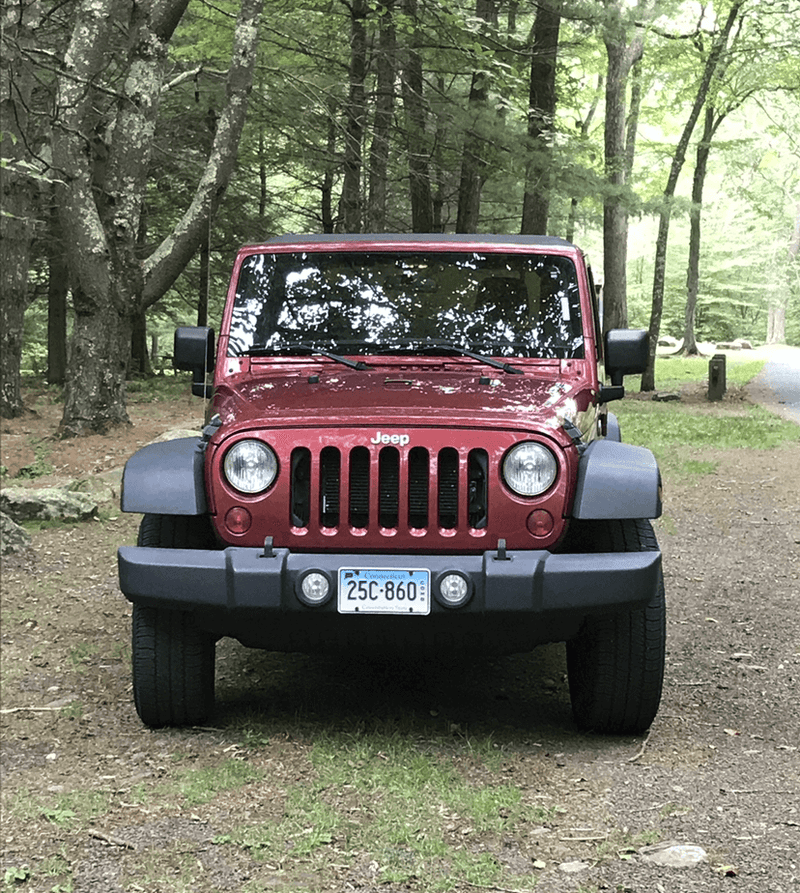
x=18, y=192
x=623, y=52
x=417, y=149
x=541, y=118
x=57, y=292
x=584, y=126
x=473, y=162
x=718, y=47
x=693, y=266
x=386, y=65
x=776, y=309
x=104, y=162
x=355, y=112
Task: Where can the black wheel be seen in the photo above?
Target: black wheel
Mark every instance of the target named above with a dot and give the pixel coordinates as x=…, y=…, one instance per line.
x=173, y=659
x=616, y=664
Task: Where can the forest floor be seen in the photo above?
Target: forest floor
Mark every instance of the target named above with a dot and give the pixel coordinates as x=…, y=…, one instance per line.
x=320, y=774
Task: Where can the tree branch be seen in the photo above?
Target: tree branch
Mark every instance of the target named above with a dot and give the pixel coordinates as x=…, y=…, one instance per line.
x=167, y=262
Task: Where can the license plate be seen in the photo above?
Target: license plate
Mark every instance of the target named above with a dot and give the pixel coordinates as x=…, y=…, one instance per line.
x=384, y=591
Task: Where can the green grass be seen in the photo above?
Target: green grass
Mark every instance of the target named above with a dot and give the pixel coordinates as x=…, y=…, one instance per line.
x=65, y=810
x=676, y=434
x=383, y=797
x=664, y=426
x=674, y=431
x=673, y=372
x=201, y=785
x=169, y=386
x=40, y=465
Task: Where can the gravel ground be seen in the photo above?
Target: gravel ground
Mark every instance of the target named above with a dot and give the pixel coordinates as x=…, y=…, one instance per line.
x=718, y=774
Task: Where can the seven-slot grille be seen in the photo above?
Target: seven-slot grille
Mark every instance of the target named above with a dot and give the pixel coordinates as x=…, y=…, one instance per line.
x=416, y=489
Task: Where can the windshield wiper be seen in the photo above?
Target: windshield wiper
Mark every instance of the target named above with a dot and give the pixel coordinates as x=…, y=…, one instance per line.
x=304, y=347
x=432, y=345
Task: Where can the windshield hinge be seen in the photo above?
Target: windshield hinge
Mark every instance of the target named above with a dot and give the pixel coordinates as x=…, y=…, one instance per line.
x=575, y=435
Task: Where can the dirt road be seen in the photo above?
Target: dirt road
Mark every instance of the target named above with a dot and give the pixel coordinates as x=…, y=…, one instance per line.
x=95, y=803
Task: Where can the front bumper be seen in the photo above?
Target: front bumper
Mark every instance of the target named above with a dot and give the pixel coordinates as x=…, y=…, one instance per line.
x=252, y=596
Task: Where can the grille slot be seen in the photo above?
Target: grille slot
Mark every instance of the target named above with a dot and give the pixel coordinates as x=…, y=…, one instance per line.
x=329, y=481
x=301, y=486
x=418, y=484
x=359, y=487
x=418, y=490
x=388, y=487
x=448, y=488
x=478, y=488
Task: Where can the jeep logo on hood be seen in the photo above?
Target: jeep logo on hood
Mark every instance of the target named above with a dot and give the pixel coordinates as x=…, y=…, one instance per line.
x=398, y=439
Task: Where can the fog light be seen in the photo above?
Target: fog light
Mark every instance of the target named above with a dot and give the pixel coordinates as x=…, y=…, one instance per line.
x=540, y=523
x=238, y=520
x=453, y=590
x=315, y=589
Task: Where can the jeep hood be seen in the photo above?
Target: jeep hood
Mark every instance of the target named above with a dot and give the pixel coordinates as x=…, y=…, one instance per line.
x=541, y=397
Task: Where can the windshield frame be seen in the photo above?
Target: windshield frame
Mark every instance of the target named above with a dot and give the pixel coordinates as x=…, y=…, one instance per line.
x=490, y=254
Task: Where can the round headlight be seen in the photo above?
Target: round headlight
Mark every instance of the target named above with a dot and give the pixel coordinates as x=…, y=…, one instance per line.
x=529, y=469
x=250, y=466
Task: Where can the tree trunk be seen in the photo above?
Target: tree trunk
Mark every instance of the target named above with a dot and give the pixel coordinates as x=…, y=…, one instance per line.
x=140, y=367
x=416, y=137
x=101, y=215
x=621, y=57
x=693, y=268
x=168, y=261
x=204, y=282
x=97, y=403
x=541, y=117
x=384, y=113
x=585, y=126
x=776, y=324
x=473, y=162
x=351, y=203
x=100, y=219
x=17, y=196
x=659, y=274
x=57, y=291
x=326, y=188
x=439, y=196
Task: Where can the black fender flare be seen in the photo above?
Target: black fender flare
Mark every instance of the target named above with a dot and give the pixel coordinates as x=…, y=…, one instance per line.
x=166, y=479
x=617, y=480
x=613, y=431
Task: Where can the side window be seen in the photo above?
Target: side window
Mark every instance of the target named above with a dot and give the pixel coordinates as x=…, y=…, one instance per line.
x=595, y=296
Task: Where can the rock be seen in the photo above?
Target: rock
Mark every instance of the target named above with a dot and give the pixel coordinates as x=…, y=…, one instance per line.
x=573, y=867
x=104, y=487
x=673, y=854
x=13, y=538
x=48, y=504
x=668, y=341
x=728, y=345
x=743, y=344
x=177, y=433
x=666, y=397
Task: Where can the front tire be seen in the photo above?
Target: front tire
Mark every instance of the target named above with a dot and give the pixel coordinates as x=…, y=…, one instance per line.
x=615, y=665
x=173, y=659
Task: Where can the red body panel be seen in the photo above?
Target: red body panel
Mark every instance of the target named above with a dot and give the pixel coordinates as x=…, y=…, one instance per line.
x=429, y=403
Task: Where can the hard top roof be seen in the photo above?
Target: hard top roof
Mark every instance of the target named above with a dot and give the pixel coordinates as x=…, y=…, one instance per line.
x=361, y=241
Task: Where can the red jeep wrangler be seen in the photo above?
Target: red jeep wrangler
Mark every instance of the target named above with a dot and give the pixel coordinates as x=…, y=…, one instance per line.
x=408, y=445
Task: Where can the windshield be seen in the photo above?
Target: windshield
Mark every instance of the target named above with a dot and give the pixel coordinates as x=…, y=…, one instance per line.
x=379, y=303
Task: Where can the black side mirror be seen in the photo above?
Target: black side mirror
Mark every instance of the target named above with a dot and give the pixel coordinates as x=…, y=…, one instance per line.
x=194, y=351
x=626, y=353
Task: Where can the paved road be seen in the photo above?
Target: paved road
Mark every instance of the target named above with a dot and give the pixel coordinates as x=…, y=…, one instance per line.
x=777, y=386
